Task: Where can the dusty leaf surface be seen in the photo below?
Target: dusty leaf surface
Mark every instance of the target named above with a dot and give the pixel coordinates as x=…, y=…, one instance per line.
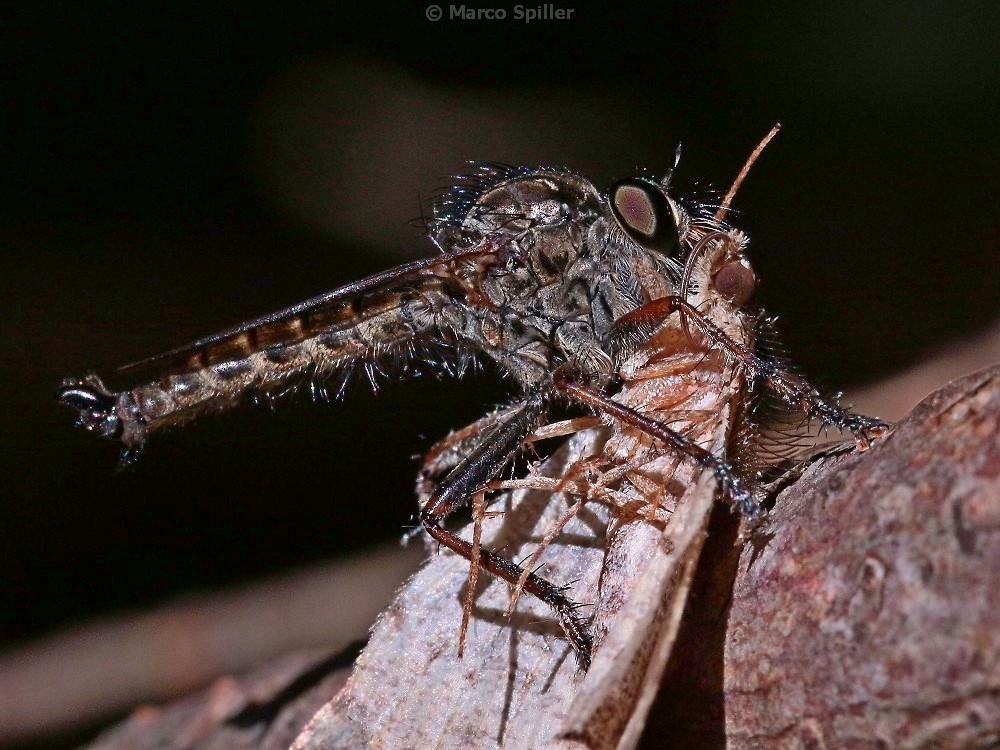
x=631, y=555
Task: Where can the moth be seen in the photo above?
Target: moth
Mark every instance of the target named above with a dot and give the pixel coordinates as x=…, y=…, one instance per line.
x=560, y=285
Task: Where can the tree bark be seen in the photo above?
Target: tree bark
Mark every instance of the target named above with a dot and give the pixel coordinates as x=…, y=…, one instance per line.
x=869, y=618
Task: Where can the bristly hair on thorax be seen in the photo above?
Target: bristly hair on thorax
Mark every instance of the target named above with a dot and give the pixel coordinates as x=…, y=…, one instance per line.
x=452, y=204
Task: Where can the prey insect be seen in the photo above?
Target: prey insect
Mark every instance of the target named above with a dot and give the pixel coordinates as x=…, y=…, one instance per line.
x=537, y=270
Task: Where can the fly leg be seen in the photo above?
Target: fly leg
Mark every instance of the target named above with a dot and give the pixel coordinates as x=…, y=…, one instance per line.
x=729, y=482
x=445, y=455
x=792, y=389
x=449, y=451
x=482, y=464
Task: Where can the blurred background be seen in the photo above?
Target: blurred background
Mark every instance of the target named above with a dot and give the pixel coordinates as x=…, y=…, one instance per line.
x=169, y=174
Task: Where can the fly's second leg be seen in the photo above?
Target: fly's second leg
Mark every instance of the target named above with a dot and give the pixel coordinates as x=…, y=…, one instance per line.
x=451, y=450
x=482, y=464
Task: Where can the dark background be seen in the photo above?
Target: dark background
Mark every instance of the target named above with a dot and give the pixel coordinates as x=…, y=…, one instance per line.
x=166, y=175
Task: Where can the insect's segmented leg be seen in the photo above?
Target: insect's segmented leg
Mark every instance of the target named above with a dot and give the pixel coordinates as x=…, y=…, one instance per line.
x=731, y=485
x=448, y=452
x=445, y=455
x=790, y=388
x=481, y=465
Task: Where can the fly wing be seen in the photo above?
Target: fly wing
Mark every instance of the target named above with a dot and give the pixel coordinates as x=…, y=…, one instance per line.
x=391, y=315
x=287, y=326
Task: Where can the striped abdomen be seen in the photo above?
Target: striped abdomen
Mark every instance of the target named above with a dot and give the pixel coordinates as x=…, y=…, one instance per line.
x=271, y=357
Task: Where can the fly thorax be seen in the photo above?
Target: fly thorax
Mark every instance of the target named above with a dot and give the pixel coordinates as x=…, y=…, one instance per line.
x=578, y=346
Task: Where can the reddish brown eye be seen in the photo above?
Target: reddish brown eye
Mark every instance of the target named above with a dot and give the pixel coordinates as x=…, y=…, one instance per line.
x=735, y=282
x=635, y=209
x=644, y=213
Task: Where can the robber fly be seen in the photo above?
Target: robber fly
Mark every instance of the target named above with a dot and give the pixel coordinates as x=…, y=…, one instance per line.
x=553, y=280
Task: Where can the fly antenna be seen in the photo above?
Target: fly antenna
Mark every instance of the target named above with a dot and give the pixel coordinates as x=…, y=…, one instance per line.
x=728, y=200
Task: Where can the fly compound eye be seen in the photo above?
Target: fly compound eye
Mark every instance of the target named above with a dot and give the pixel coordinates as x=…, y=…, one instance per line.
x=644, y=213
x=735, y=282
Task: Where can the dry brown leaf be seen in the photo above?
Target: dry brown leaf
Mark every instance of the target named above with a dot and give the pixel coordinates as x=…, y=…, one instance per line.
x=518, y=684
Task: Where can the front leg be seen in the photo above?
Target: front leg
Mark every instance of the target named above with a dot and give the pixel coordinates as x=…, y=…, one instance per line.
x=792, y=389
x=729, y=481
x=445, y=455
x=481, y=465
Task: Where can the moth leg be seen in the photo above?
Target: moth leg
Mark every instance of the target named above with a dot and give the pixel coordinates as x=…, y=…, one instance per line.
x=478, y=514
x=792, y=389
x=483, y=462
x=729, y=482
x=578, y=481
